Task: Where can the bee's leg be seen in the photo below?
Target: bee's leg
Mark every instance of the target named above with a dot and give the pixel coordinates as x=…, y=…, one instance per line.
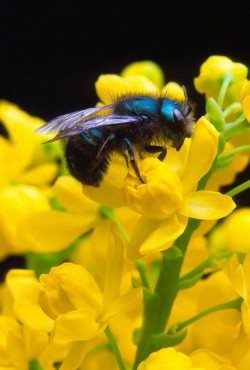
x=131, y=154
x=104, y=145
x=157, y=149
x=126, y=159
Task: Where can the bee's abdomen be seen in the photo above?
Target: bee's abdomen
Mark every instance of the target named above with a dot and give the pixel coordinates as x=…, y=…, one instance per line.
x=82, y=162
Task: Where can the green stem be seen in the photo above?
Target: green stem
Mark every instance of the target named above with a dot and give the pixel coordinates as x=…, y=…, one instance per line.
x=235, y=127
x=197, y=270
x=223, y=160
x=239, y=189
x=239, y=149
x=235, y=304
x=107, y=213
x=234, y=108
x=142, y=271
x=115, y=348
x=227, y=78
x=158, y=304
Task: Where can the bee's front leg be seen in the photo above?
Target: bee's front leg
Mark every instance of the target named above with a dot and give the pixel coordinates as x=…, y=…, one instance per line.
x=129, y=147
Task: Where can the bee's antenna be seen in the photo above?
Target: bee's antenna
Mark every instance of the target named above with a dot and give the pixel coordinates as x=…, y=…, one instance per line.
x=187, y=100
x=185, y=93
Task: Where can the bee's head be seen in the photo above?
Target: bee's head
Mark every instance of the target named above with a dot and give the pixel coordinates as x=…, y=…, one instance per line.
x=182, y=128
x=178, y=119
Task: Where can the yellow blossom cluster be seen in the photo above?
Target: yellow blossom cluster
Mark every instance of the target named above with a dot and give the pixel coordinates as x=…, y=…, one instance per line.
x=130, y=275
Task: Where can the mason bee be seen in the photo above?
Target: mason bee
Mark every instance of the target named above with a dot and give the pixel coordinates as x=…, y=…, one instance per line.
x=135, y=124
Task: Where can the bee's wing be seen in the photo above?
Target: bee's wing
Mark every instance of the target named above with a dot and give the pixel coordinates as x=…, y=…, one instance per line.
x=70, y=120
x=95, y=122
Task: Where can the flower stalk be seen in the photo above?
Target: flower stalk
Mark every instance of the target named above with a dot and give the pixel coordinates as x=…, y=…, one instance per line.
x=158, y=304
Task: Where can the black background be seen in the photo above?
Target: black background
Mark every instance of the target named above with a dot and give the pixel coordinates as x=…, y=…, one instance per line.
x=53, y=51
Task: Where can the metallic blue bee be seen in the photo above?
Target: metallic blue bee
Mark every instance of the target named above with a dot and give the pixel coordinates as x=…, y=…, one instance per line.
x=132, y=124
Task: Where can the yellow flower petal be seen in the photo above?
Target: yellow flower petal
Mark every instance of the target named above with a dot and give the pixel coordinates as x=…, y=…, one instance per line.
x=202, y=152
x=245, y=314
x=154, y=235
x=69, y=193
x=69, y=287
x=127, y=302
x=32, y=316
x=25, y=289
x=237, y=276
x=173, y=91
x=40, y=175
x=167, y=359
x=141, y=85
x=208, y=360
x=75, y=355
x=114, y=267
x=17, y=281
x=52, y=231
x=245, y=100
x=17, y=204
x=246, y=107
x=164, y=236
x=148, y=69
x=162, y=189
x=74, y=326
x=207, y=205
x=110, y=87
x=234, y=226
x=211, y=74
x=110, y=192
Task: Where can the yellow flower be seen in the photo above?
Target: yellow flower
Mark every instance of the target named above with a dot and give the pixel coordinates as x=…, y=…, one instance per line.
x=148, y=69
x=23, y=157
x=80, y=309
x=110, y=87
x=170, y=359
x=211, y=75
x=229, y=234
x=100, y=358
x=70, y=304
x=21, y=292
x=219, y=327
x=24, y=326
x=227, y=175
x=167, y=359
x=245, y=100
x=197, y=252
x=27, y=169
x=240, y=278
x=240, y=355
x=20, y=345
x=217, y=331
x=18, y=205
x=52, y=230
x=169, y=197
x=208, y=360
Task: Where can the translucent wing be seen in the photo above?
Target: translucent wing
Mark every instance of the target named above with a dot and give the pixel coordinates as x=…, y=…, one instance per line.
x=70, y=120
x=95, y=122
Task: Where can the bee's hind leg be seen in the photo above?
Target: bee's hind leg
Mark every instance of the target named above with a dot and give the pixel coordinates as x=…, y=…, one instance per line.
x=131, y=153
x=157, y=149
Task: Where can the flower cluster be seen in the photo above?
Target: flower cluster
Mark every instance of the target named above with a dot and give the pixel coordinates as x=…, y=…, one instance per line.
x=130, y=275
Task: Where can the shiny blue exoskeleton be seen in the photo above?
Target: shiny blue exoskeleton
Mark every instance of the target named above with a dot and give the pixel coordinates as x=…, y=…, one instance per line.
x=137, y=124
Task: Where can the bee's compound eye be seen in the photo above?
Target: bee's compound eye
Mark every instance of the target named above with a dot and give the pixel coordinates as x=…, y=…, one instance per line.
x=178, y=116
